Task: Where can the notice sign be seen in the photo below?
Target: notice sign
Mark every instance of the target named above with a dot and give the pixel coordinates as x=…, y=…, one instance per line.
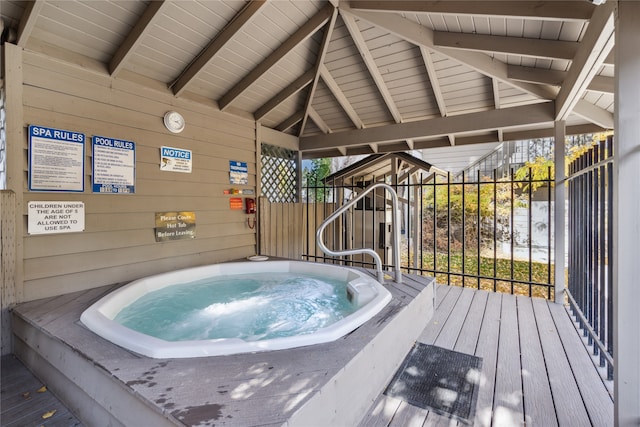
x=238, y=173
x=114, y=166
x=55, y=217
x=175, y=160
x=175, y=226
x=56, y=160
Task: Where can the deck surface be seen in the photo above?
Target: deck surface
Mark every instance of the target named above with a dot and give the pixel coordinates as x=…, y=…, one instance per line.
x=23, y=405
x=535, y=366
x=536, y=369
x=264, y=388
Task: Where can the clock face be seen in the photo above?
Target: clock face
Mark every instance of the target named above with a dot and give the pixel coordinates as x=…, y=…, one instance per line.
x=174, y=121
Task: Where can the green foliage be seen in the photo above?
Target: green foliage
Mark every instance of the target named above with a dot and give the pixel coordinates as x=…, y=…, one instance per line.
x=312, y=179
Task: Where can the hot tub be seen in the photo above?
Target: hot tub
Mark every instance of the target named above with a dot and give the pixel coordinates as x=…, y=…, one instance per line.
x=365, y=297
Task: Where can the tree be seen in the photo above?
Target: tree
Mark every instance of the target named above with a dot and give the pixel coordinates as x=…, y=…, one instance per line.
x=312, y=180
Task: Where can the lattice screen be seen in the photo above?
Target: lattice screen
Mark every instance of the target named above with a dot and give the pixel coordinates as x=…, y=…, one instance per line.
x=279, y=174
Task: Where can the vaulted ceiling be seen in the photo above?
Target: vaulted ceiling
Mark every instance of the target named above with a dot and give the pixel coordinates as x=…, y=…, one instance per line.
x=351, y=77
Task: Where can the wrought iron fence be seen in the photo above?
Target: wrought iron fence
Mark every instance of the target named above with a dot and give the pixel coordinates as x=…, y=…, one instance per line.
x=494, y=234
x=590, y=269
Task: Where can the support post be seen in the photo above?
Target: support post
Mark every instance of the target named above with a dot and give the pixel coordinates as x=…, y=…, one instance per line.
x=559, y=211
x=626, y=211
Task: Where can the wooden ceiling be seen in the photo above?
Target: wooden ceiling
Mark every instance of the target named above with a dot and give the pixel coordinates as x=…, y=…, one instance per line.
x=351, y=77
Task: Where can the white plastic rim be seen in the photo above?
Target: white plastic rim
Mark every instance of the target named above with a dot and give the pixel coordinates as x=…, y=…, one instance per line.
x=99, y=317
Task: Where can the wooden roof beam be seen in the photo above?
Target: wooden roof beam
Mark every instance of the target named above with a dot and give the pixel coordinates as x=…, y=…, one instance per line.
x=295, y=87
x=290, y=121
x=594, y=114
x=370, y=63
x=536, y=75
x=28, y=21
x=555, y=78
x=303, y=33
x=422, y=36
x=534, y=48
x=134, y=38
x=473, y=122
x=435, y=85
x=313, y=114
x=339, y=96
x=545, y=10
x=324, y=46
x=207, y=55
x=595, y=46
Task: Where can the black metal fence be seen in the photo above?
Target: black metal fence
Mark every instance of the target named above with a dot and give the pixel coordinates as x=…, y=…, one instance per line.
x=491, y=233
x=590, y=248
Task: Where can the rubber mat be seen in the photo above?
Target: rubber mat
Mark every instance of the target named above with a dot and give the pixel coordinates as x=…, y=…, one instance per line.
x=439, y=380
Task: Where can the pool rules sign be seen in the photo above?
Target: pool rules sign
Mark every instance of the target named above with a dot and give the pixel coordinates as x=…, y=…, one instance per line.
x=55, y=217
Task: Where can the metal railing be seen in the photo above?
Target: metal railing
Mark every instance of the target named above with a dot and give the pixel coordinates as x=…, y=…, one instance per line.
x=590, y=287
x=371, y=252
x=491, y=233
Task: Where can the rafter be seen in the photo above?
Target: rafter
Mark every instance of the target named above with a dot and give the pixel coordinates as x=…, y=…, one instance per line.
x=28, y=21
x=313, y=114
x=602, y=84
x=339, y=96
x=594, y=114
x=295, y=87
x=536, y=48
x=555, y=78
x=290, y=121
x=370, y=63
x=422, y=36
x=596, y=44
x=205, y=57
x=435, y=85
x=536, y=75
x=324, y=46
x=134, y=38
x=546, y=10
x=473, y=122
x=303, y=33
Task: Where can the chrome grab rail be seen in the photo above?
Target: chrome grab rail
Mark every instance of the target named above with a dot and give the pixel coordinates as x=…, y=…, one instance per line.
x=374, y=254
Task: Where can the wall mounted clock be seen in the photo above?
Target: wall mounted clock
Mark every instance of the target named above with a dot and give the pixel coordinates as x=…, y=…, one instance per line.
x=174, y=122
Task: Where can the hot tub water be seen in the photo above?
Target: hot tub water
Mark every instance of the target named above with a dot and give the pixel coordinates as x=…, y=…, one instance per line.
x=251, y=307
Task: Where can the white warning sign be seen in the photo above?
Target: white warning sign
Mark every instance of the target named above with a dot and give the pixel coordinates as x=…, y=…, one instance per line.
x=55, y=217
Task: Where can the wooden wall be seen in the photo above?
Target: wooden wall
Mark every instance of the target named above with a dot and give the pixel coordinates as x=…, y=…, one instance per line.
x=289, y=229
x=118, y=243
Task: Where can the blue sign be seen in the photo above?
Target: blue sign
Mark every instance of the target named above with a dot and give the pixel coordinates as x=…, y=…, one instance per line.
x=114, y=166
x=56, y=159
x=238, y=172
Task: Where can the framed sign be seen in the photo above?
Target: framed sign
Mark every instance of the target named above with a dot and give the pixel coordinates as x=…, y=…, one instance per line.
x=114, y=166
x=56, y=159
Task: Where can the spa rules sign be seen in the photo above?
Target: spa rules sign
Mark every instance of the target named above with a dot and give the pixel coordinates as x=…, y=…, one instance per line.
x=175, y=226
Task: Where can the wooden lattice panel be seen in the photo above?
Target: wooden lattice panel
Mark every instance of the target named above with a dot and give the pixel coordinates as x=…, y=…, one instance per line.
x=279, y=174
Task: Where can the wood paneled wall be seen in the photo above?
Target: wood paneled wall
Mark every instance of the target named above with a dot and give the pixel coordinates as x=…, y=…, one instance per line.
x=289, y=229
x=118, y=243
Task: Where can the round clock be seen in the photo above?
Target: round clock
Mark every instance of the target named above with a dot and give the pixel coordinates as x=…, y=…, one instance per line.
x=174, y=121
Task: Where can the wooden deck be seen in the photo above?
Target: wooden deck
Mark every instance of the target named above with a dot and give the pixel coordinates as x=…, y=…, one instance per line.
x=105, y=384
x=536, y=369
x=25, y=403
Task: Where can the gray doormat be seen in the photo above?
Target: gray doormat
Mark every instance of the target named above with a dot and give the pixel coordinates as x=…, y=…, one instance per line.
x=439, y=380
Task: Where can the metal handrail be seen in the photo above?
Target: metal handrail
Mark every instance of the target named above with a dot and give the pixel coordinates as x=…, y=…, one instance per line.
x=376, y=257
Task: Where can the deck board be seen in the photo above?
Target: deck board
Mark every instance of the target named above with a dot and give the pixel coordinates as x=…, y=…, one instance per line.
x=535, y=365
x=535, y=383
x=18, y=409
x=595, y=396
x=570, y=408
